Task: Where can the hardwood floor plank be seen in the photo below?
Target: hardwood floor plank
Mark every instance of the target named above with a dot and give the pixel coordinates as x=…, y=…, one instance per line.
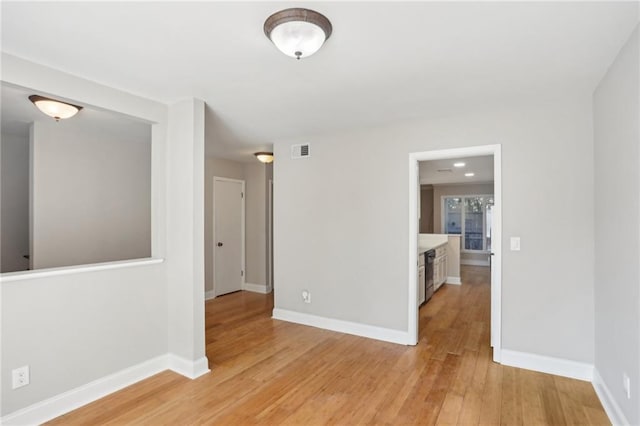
x=596, y=417
x=490, y=412
x=450, y=411
x=464, y=377
x=532, y=405
x=434, y=400
x=511, y=397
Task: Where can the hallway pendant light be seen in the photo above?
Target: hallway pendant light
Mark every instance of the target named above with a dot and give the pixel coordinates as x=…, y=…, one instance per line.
x=264, y=157
x=56, y=109
x=298, y=32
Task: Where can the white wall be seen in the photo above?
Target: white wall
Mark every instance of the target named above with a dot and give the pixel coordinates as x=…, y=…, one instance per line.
x=341, y=221
x=14, y=219
x=80, y=326
x=91, y=194
x=74, y=329
x=256, y=231
x=52, y=324
x=185, y=236
x=617, y=227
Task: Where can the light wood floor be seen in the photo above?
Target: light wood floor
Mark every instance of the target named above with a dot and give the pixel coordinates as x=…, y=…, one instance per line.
x=272, y=372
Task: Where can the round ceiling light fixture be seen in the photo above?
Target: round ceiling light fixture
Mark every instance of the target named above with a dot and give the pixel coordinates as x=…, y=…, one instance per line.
x=264, y=157
x=298, y=32
x=53, y=108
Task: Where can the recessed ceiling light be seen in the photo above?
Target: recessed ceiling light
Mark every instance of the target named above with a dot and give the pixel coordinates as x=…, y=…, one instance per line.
x=459, y=164
x=470, y=174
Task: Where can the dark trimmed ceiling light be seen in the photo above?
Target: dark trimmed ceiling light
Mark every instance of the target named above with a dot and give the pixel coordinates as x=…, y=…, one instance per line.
x=264, y=157
x=53, y=108
x=298, y=32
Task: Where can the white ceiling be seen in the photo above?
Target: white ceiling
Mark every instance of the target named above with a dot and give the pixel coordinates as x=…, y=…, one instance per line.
x=439, y=172
x=18, y=113
x=384, y=62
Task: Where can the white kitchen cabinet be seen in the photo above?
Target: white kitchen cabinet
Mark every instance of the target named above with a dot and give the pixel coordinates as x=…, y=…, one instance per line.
x=440, y=267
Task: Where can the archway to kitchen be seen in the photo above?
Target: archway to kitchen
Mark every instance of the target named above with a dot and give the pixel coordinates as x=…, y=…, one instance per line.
x=496, y=246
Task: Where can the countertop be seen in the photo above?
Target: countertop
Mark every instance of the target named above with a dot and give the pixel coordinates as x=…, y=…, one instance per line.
x=428, y=242
x=423, y=248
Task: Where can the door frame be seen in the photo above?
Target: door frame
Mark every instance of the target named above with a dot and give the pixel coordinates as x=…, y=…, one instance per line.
x=270, y=237
x=496, y=241
x=242, y=231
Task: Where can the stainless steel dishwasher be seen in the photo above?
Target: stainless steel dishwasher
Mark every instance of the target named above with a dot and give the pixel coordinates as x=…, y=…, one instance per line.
x=428, y=272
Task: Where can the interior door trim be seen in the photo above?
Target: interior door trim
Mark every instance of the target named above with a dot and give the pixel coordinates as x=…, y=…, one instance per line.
x=496, y=240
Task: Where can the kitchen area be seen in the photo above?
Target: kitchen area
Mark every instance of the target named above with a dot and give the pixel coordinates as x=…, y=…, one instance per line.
x=438, y=263
x=455, y=220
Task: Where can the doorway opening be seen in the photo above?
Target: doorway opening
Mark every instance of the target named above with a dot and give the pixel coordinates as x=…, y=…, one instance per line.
x=484, y=213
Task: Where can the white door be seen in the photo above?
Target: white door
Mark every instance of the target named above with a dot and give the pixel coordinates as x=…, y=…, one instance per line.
x=228, y=235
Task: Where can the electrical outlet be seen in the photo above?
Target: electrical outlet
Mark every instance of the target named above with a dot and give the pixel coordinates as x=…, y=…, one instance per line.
x=306, y=296
x=626, y=385
x=20, y=377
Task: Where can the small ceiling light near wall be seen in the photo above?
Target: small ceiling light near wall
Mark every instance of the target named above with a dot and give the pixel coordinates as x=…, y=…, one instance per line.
x=298, y=32
x=56, y=109
x=470, y=174
x=264, y=157
x=459, y=164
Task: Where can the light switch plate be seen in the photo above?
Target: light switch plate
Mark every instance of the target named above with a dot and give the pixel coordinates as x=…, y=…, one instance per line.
x=626, y=385
x=515, y=243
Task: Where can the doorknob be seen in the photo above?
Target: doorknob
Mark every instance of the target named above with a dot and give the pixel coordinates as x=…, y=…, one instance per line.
x=219, y=244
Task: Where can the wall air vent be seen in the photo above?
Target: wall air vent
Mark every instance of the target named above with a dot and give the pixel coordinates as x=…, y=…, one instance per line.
x=445, y=170
x=300, y=151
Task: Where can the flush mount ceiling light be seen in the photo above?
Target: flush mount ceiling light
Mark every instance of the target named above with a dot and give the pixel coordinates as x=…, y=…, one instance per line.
x=297, y=32
x=56, y=109
x=264, y=157
x=470, y=174
x=459, y=164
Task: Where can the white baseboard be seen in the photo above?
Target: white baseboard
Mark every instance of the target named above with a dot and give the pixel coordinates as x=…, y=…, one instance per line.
x=256, y=288
x=546, y=364
x=453, y=280
x=348, y=327
x=75, y=398
x=611, y=407
x=210, y=294
x=474, y=262
x=63, y=403
x=189, y=369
